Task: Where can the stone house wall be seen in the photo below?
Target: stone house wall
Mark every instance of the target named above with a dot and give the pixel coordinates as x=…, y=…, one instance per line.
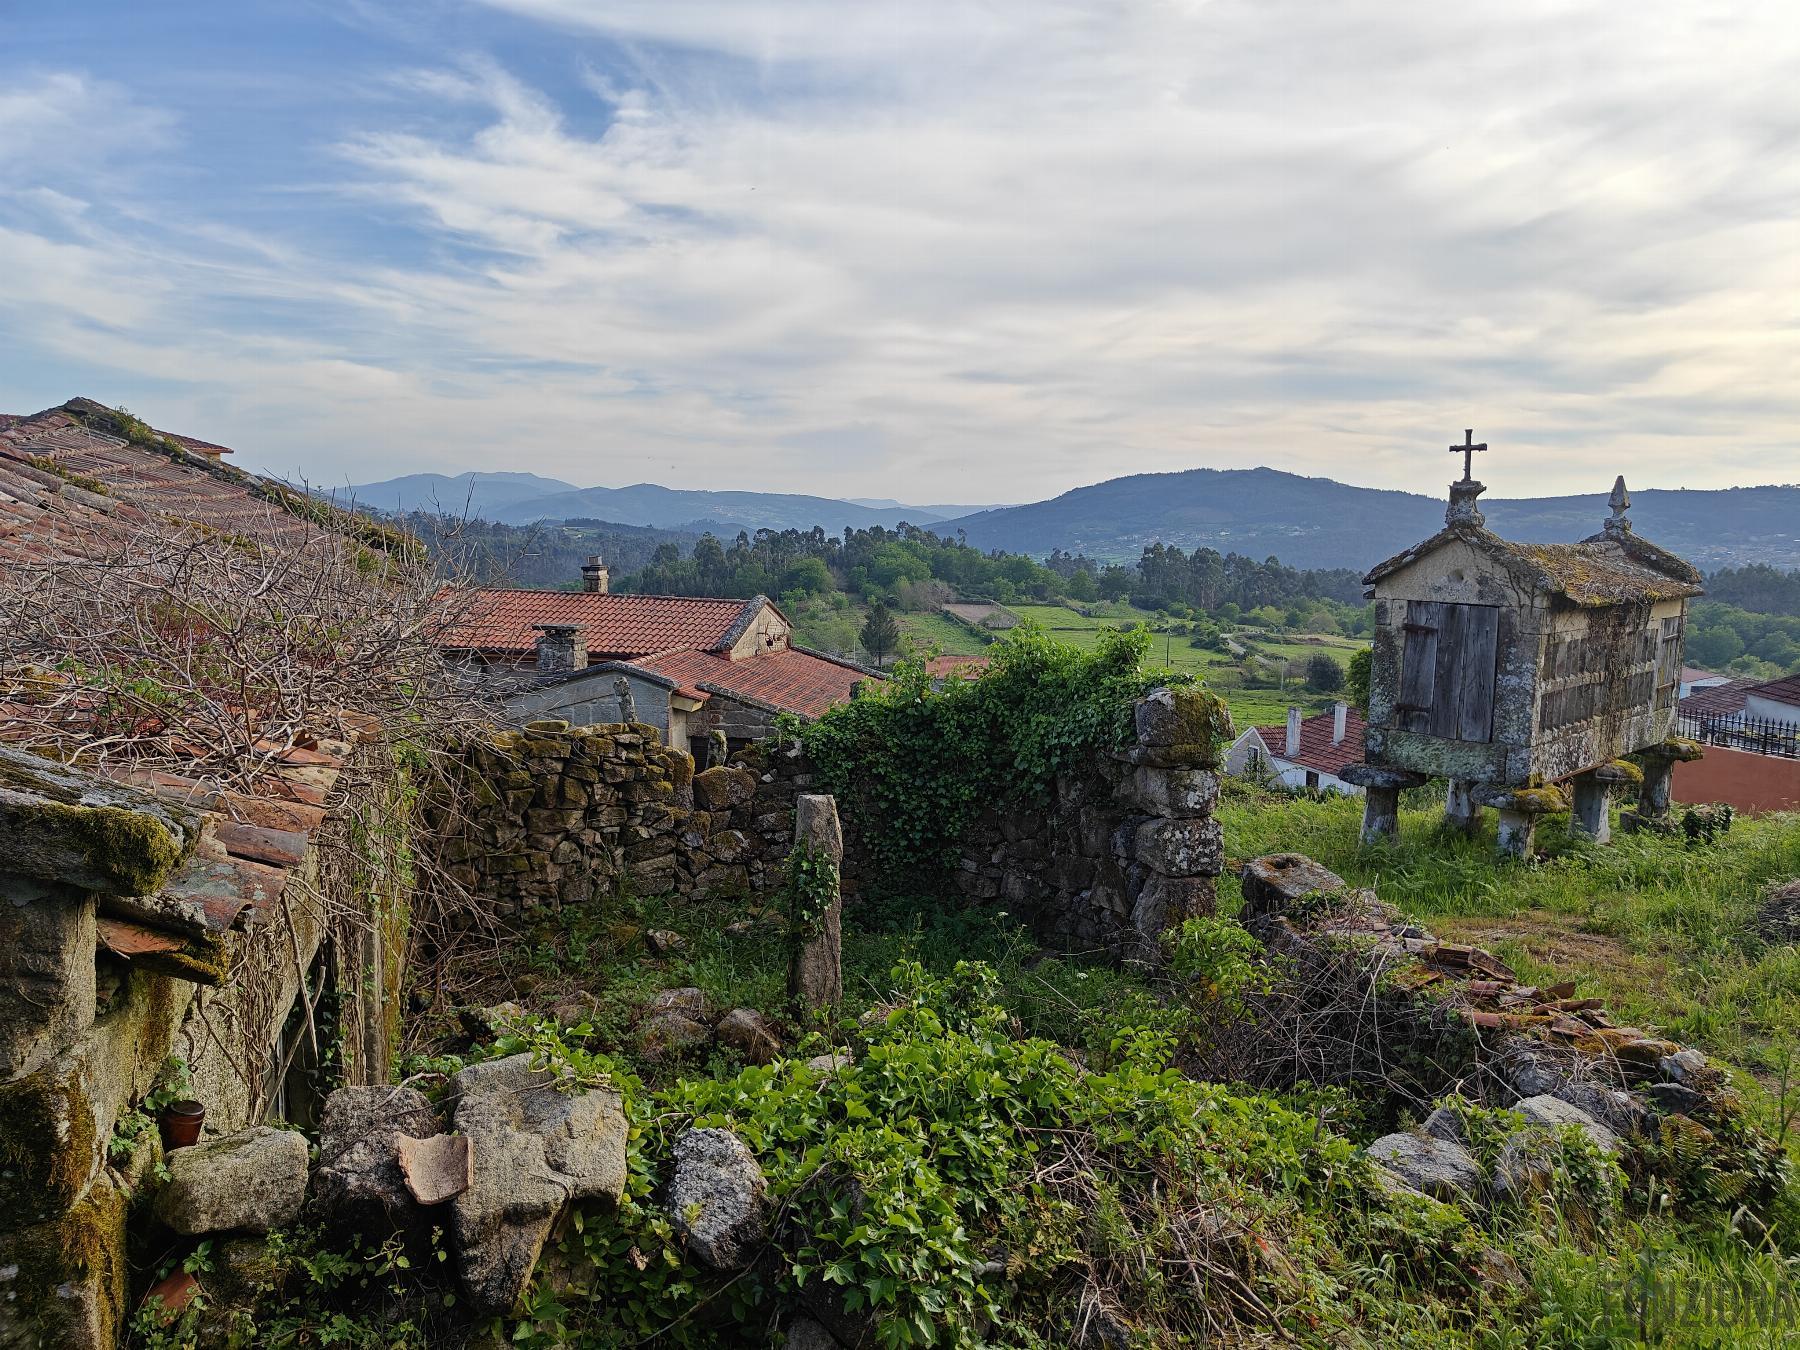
x=112, y=1015
x=556, y=815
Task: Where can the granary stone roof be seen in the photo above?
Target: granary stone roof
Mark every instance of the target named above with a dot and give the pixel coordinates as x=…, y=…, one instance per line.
x=1608, y=568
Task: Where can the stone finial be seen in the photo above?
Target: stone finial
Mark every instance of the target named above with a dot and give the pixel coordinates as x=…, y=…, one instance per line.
x=1462, y=509
x=1620, y=502
x=627, y=703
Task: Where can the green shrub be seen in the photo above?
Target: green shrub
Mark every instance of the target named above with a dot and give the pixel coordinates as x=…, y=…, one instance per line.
x=916, y=763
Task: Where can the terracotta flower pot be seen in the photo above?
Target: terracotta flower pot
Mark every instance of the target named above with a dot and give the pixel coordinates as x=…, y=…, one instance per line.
x=180, y=1124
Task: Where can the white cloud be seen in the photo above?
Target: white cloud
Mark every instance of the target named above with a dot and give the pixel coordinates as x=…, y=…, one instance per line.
x=996, y=250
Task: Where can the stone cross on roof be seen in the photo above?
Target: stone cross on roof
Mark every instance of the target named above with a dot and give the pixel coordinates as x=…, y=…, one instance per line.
x=1468, y=451
x=1464, y=492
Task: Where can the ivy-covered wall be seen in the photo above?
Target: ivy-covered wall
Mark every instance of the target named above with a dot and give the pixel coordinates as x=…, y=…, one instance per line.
x=1072, y=787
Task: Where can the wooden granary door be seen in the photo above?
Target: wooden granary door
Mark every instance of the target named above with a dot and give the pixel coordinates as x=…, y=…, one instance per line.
x=1447, y=670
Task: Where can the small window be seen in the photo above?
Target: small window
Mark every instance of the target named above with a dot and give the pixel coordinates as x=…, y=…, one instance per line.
x=1312, y=779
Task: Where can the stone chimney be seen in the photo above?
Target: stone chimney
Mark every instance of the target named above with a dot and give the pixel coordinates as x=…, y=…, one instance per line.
x=561, y=647
x=1340, y=717
x=593, y=575
x=1293, y=736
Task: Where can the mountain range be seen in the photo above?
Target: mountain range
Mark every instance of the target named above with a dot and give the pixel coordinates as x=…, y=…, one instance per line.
x=1306, y=522
x=525, y=499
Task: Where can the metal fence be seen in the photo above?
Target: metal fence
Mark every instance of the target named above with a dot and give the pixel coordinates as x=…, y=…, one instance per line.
x=1759, y=735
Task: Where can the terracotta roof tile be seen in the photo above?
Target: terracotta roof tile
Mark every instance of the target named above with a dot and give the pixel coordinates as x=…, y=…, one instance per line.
x=1317, y=750
x=1720, y=700
x=1784, y=690
x=628, y=626
x=963, y=667
x=791, y=680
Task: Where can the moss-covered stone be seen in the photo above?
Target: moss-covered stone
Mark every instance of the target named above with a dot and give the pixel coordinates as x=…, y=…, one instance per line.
x=64, y=1282
x=48, y=1149
x=59, y=823
x=1186, y=716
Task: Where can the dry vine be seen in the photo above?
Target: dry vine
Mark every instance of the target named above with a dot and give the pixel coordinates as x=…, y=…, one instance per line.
x=174, y=648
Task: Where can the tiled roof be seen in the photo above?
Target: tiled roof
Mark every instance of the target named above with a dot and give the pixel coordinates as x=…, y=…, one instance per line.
x=1689, y=674
x=49, y=462
x=1317, y=751
x=247, y=848
x=503, y=621
x=1784, y=690
x=1720, y=700
x=963, y=667
x=787, y=679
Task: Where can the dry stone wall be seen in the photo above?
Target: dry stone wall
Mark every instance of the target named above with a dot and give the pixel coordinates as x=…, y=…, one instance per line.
x=558, y=814
x=555, y=815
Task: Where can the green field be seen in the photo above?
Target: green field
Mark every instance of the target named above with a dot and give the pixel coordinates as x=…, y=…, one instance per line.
x=832, y=629
x=942, y=634
x=1249, y=707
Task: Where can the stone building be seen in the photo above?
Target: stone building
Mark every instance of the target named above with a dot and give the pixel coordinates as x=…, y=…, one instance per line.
x=147, y=915
x=693, y=667
x=1514, y=669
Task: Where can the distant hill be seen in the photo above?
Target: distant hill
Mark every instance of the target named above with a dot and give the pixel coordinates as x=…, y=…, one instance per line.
x=524, y=499
x=1318, y=522
x=477, y=495
x=1305, y=522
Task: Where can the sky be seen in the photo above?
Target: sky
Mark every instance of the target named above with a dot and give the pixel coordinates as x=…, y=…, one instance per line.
x=933, y=250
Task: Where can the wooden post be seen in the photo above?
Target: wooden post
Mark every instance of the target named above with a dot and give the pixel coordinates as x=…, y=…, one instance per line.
x=816, y=968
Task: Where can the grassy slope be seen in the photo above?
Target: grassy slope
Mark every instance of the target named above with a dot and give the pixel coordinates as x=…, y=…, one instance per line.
x=1664, y=932
x=1249, y=707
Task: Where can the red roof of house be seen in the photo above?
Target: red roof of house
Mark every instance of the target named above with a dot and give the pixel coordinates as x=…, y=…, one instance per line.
x=1719, y=700
x=963, y=667
x=1691, y=673
x=1317, y=750
x=789, y=679
x=614, y=625
x=1784, y=690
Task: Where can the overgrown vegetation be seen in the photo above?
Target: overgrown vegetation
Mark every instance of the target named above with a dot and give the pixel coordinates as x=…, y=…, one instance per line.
x=915, y=761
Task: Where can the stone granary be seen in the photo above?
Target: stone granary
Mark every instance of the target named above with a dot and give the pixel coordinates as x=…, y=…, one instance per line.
x=1515, y=669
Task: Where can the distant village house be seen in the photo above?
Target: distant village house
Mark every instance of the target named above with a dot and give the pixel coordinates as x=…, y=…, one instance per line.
x=1307, y=753
x=691, y=666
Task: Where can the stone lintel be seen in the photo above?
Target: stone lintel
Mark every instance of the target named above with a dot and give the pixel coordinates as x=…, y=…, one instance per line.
x=60, y=824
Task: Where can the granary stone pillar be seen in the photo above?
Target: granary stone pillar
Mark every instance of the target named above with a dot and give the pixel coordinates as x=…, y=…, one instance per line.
x=1518, y=833
x=1659, y=763
x=1381, y=787
x=1590, y=814
x=1519, y=809
x=1462, y=812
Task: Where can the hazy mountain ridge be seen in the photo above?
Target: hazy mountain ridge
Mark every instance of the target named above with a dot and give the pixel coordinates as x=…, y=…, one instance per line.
x=523, y=499
x=1319, y=522
x=1305, y=522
